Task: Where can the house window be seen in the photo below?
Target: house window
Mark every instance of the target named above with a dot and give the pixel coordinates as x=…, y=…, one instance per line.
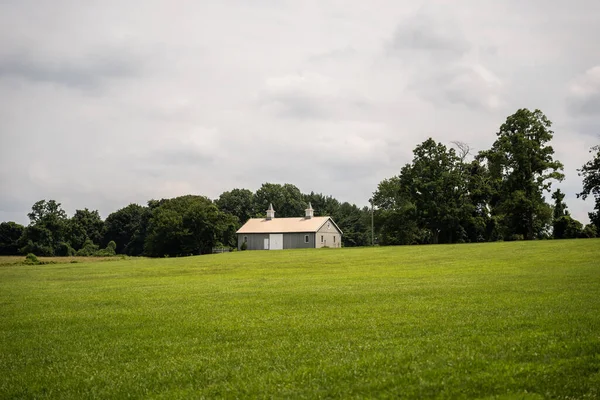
x=321, y=238
x=245, y=239
x=305, y=238
x=334, y=239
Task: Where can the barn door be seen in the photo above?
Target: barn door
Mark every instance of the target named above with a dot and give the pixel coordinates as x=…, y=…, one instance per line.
x=276, y=241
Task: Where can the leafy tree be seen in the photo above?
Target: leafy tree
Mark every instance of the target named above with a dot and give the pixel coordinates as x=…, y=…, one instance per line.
x=353, y=222
x=287, y=200
x=560, y=208
x=565, y=227
x=127, y=228
x=591, y=184
x=88, y=249
x=237, y=202
x=84, y=225
x=47, y=229
x=522, y=167
x=186, y=225
x=589, y=231
x=10, y=233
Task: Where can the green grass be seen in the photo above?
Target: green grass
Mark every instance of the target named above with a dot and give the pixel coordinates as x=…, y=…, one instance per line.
x=503, y=320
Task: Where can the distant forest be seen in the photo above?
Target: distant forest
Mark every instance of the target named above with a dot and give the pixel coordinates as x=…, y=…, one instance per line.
x=445, y=195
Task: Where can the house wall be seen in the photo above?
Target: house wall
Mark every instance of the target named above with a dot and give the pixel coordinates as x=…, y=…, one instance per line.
x=330, y=234
x=296, y=240
x=256, y=241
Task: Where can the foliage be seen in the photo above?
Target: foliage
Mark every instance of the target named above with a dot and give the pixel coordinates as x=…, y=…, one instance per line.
x=127, y=227
x=498, y=320
x=65, y=250
x=84, y=225
x=186, y=225
x=10, y=233
x=31, y=258
x=47, y=229
x=88, y=249
x=589, y=231
x=287, y=200
x=244, y=246
x=237, y=202
x=591, y=184
x=521, y=169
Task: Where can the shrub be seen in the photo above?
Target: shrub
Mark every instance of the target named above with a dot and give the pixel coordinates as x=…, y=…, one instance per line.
x=589, y=231
x=31, y=259
x=65, y=250
x=88, y=249
x=244, y=246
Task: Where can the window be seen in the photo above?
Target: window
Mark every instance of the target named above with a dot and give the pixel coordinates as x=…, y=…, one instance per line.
x=321, y=238
x=329, y=225
x=245, y=239
x=334, y=239
x=305, y=238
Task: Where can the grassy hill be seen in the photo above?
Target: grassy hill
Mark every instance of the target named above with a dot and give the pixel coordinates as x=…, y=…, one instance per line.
x=499, y=320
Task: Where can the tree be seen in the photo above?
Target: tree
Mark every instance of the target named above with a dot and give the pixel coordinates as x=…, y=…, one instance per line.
x=10, y=233
x=126, y=227
x=237, y=202
x=560, y=208
x=522, y=168
x=84, y=225
x=287, y=200
x=186, y=225
x=591, y=184
x=47, y=229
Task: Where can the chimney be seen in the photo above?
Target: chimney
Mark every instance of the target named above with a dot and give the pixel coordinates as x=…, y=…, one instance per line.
x=309, y=212
x=270, y=212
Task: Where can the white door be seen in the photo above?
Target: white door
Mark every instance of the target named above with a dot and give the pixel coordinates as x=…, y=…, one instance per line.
x=276, y=241
x=266, y=243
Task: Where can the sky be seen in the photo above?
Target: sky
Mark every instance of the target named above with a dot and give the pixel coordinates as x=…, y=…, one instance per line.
x=106, y=103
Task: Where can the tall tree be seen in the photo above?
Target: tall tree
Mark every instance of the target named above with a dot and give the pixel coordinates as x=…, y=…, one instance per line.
x=237, y=202
x=10, y=233
x=85, y=225
x=287, y=200
x=47, y=229
x=186, y=225
x=522, y=167
x=591, y=184
x=126, y=227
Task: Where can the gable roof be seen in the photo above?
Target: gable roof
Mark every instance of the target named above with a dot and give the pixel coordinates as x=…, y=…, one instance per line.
x=285, y=225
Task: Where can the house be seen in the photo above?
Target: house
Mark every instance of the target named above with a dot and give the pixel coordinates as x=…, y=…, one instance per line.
x=273, y=233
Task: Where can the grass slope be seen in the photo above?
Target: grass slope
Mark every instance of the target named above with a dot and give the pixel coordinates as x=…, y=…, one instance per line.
x=501, y=320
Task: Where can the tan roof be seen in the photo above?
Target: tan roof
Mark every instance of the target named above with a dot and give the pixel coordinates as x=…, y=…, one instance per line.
x=284, y=225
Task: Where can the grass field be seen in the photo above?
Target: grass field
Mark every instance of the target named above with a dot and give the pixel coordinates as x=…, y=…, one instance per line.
x=502, y=320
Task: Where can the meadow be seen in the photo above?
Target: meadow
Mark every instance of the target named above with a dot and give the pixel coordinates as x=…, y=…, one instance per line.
x=517, y=320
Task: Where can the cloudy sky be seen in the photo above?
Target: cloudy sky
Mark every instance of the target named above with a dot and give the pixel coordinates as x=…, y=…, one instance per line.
x=104, y=103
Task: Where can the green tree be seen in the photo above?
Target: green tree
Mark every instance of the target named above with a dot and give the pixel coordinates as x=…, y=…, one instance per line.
x=591, y=184
x=522, y=167
x=237, y=202
x=186, y=225
x=47, y=229
x=84, y=225
x=560, y=207
x=353, y=221
x=287, y=200
x=10, y=233
x=434, y=184
x=127, y=227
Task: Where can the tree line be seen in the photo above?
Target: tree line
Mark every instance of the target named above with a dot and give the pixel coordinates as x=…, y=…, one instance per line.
x=185, y=225
x=445, y=195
